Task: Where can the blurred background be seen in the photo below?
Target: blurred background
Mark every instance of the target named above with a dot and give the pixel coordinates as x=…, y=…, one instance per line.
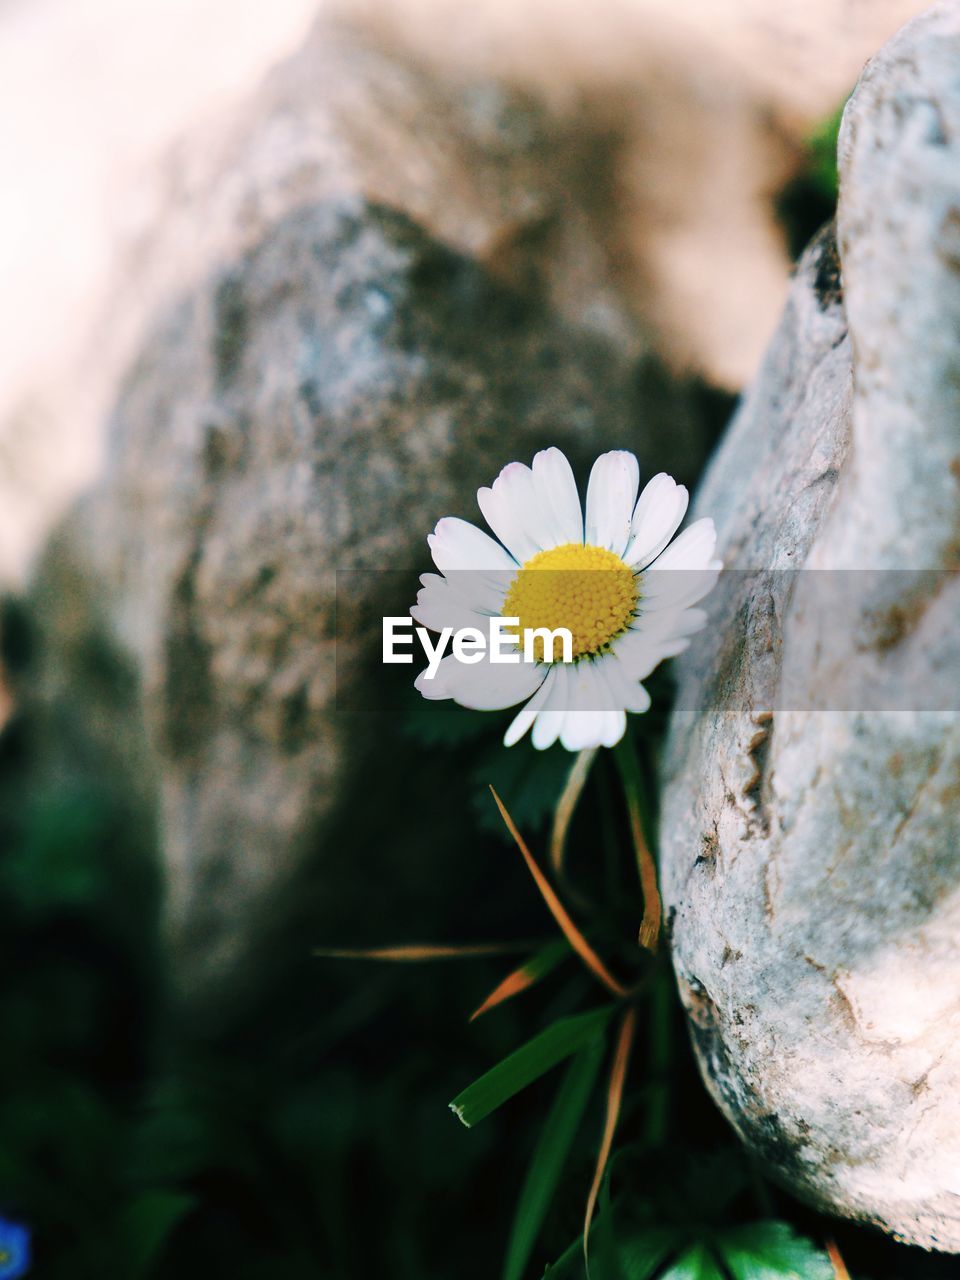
x=281, y=285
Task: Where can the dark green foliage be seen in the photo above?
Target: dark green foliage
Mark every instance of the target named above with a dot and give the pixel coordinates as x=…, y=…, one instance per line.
x=526, y=1064
x=755, y=1251
x=810, y=198
x=442, y=724
x=772, y=1251
x=553, y=1147
x=528, y=781
x=307, y=1135
x=80, y=897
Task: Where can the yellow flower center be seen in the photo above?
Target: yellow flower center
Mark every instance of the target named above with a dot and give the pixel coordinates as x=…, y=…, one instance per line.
x=588, y=590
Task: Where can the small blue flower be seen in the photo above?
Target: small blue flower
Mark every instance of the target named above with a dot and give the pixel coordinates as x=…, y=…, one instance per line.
x=14, y=1250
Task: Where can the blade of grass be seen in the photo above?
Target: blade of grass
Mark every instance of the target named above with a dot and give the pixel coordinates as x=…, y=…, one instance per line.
x=549, y=1157
x=567, y=804
x=607, y=1258
x=559, y=911
x=415, y=952
x=628, y=765
x=528, y=1063
x=644, y=1255
x=638, y=1258
x=146, y=1224
x=618, y=1074
x=525, y=975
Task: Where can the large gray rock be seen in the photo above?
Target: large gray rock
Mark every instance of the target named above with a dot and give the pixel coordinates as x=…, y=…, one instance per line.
x=366, y=331
x=811, y=821
x=641, y=187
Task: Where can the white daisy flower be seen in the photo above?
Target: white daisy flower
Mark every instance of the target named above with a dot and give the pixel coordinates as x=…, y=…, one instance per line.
x=611, y=576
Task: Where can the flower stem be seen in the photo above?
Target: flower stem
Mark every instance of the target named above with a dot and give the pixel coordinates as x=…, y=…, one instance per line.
x=566, y=806
x=629, y=767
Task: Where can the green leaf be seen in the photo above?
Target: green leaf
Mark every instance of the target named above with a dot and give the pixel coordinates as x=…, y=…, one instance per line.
x=697, y=1263
x=528, y=781
x=607, y=1264
x=771, y=1251
x=573, y=1254
x=559, y=1130
x=148, y=1222
x=442, y=723
x=528, y=1063
x=641, y=1256
x=544, y=961
x=822, y=154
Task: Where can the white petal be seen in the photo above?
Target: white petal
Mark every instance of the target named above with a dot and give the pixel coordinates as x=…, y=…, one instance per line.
x=658, y=514
x=434, y=690
x=482, y=590
x=692, y=550
x=658, y=635
x=674, y=590
x=638, y=654
x=505, y=506
x=557, y=491
x=625, y=686
x=583, y=708
x=611, y=496
x=641, y=654
x=684, y=573
x=588, y=703
x=549, y=722
x=477, y=568
x=439, y=605
x=525, y=718
x=614, y=727
x=669, y=624
x=583, y=729
x=482, y=686
x=455, y=544
x=514, y=510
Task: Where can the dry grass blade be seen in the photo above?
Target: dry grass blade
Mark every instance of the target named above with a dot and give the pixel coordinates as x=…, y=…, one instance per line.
x=567, y=804
x=525, y=975
x=618, y=1074
x=6, y=702
x=650, y=924
x=649, y=936
x=652, y=907
x=840, y=1271
x=416, y=952
x=512, y=985
x=559, y=911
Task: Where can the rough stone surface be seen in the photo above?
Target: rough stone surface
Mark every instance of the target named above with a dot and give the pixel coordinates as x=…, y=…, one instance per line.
x=338, y=380
x=811, y=857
